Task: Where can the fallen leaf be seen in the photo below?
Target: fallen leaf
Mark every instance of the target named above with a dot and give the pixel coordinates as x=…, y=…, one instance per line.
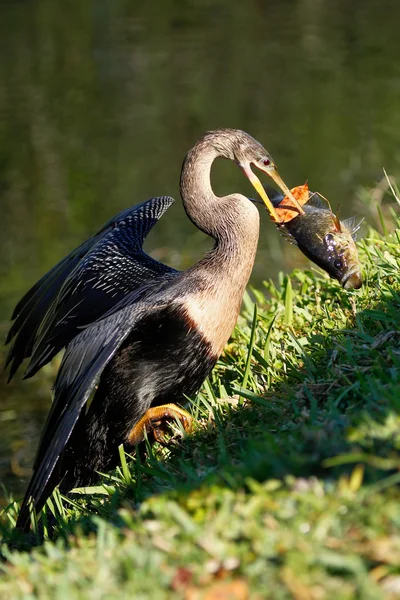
x=286, y=209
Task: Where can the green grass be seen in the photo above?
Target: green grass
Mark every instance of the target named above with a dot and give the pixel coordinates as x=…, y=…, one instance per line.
x=288, y=488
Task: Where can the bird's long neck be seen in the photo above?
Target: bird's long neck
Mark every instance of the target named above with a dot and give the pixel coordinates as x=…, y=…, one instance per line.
x=233, y=221
x=198, y=197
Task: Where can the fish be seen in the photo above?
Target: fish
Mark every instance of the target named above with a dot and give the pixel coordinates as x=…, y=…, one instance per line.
x=320, y=234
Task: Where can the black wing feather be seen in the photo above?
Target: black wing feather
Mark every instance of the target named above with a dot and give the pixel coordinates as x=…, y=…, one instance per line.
x=36, y=301
x=83, y=362
x=84, y=285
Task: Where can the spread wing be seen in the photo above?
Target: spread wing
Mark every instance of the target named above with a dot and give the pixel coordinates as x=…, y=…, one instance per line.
x=83, y=362
x=85, y=285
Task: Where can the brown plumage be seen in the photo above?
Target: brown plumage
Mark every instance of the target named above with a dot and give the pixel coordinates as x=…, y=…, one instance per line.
x=145, y=333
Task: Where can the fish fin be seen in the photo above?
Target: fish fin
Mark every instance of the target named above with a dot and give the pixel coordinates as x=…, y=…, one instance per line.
x=337, y=222
x=353, y=225
x=316, y=201
x=287, y=235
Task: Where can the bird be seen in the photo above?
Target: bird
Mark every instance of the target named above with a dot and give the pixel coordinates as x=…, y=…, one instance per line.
x=139, y=336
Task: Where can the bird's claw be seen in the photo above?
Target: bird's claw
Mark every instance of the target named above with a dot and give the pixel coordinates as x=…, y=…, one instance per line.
x=156, y=422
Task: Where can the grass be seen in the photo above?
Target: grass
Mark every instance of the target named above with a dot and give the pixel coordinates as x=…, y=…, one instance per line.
x=288, y=488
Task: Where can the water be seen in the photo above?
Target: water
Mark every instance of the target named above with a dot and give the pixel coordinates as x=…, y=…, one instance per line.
x=100, y=100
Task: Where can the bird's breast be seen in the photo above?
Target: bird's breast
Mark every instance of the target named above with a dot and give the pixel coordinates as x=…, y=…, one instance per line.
x=213, y=314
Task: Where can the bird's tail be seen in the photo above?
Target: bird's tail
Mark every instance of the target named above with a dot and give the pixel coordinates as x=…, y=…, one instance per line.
x=35, y=498
x=86, y=454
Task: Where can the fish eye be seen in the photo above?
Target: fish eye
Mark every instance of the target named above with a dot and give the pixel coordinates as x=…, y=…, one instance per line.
x=338, y=263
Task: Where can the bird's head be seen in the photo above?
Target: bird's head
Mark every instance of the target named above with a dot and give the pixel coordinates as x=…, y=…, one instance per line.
x=246, y=152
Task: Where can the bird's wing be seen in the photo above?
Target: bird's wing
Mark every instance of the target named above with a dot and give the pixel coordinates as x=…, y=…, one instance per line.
x=83, y=362
x=83, y=286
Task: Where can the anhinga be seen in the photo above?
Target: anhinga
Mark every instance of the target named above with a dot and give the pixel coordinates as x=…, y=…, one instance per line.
x=145, y=334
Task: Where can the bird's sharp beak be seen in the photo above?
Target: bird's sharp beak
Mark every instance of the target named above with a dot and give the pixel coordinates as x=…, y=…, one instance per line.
x=273, y=173
x=256, y=183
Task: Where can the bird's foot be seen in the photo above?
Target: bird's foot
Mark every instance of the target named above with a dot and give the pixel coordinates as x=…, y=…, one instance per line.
x=156, y=422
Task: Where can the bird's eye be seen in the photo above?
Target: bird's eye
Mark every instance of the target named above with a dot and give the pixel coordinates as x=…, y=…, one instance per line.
x=266, y=162
x=338, y=263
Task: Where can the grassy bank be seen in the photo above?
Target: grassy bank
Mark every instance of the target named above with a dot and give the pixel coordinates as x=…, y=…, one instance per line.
x=288, y=487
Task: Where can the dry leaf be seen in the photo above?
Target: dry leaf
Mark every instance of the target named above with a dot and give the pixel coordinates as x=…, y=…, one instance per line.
x=286, y=209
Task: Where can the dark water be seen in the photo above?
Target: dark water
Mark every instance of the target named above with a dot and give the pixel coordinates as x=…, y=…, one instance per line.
x=100, y=100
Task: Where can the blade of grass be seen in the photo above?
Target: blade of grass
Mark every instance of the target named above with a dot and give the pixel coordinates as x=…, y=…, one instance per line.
x=268, y=338
x=288, y=314
x=125, y=470
x=250, y=348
